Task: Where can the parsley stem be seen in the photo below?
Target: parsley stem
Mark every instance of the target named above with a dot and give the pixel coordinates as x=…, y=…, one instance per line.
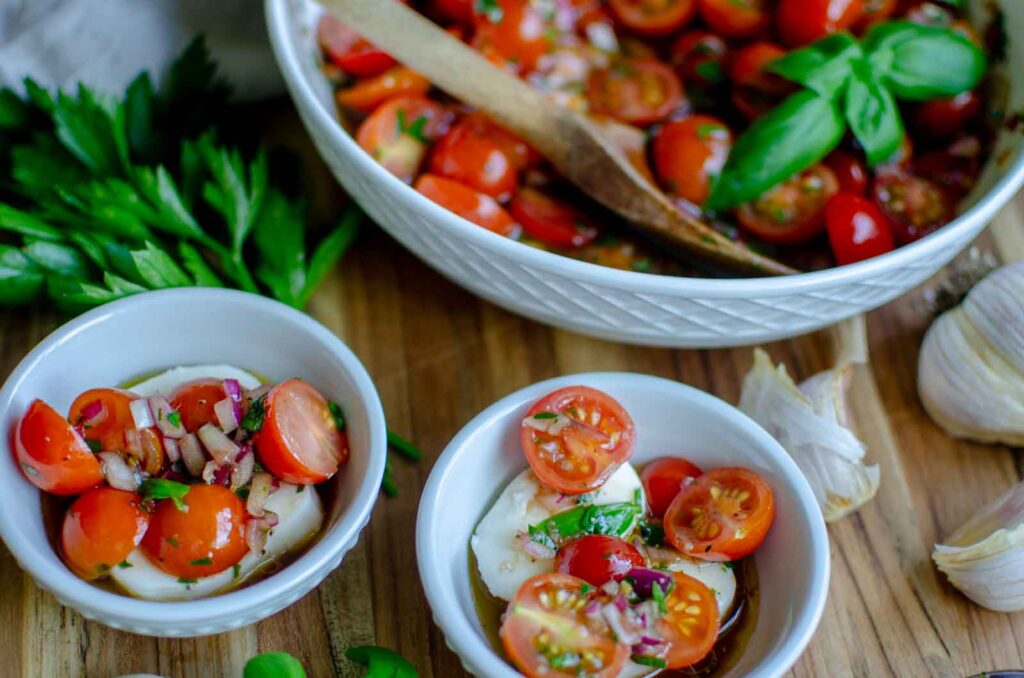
x=388, y=483
x=403, y=446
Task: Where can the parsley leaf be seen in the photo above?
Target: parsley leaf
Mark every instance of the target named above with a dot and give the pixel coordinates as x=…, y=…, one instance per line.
x=161, y=488
x=253, y=419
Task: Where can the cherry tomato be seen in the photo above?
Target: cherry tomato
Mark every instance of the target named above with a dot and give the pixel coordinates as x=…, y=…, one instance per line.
x=653, y=17
x=945, y=118
x=348, y=51
x=206, y=538
x=793, y=211
x=734, y=18
x=800, y=22
x=598, y=559
x=515, y=30
x=900, y=159
x=300, y=441
x=662, y=479
x=756, y=90
x=100, y=529
x=547, y=634
x=576, y=437
x=849, y=170
x=550, y=220
x=195, y=400
x=368, y=94
x=689, y=153
x=396, y=134
x=107, y=426
x=954, y=167
x=637, y=91
x=54, y=457
x=915, y=206
x=722, y=515
x=691, y=625
x=481, y=209
x=857, y=230
x=468, y=154
x=700, y=58
x=459, y=11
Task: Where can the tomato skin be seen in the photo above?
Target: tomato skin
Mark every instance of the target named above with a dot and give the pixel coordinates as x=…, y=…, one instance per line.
x=954, y=168
x=597, y=559
x=857, y=229
x=734, y=18
x=914, y=206
x=116, y=417
x=850, y=172
x=792, y=212
x=636, y=91
x=100, y=529
x=945, y=118
x=518, y=35
x=53, y=456
x=662, y=479
x=394, y=147
x=756, y=90
x=347, y=50
x=367, y=94
x=688, y=648
x=551, y=220
x=459, y=11
x=468, y=155
x=653, y=17
x=800, y=22
x=700, y=58
x=211, y=529
x=688, y=153
x=195, y=401
x=481, y=209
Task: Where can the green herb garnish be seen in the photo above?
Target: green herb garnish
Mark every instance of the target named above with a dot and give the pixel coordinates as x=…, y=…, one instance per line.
x=202, y=561
x=647, y=660
x=404, y=447
x=161, y=488
x=607, y=519
x=658, y=595
x=254, y=416
x=124, y=565
x=174, y=419
x=546, y=415
x=380, y=662
x=187, y=581
x=490, y=9
x=95, y=446
x=339, y=418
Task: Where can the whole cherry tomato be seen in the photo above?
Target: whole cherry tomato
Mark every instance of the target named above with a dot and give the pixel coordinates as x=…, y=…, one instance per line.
x=756, y=90
x=700, y=58
x=945, y=118
x=637, y=91
x=653, y=17
x=735, y=18
x=849, y=170
x=689, y=153
x=54, y=457
x=792, y=212
x=100, y=529
x=598, y=559
x=800, y=22
x=470, y=155
x=857, y=230
x=662, y=479
x=472, y=205
x=551, y=220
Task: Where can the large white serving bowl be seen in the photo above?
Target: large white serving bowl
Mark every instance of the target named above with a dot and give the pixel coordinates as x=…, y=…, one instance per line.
x=671, y=419
x=623, y=305
x=149, y=332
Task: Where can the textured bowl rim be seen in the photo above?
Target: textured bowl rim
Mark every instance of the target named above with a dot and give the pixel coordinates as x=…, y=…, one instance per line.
x=466, y=641
x=645, y=283
x=251, y=602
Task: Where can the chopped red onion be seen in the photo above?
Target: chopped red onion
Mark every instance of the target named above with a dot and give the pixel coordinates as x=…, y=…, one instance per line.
x=244, y=451
x=133, y=443
x=647, y=640
x=620, y=603
x=141, y=413
x=243, y=471
x=533, y=549
x=592, y=608
x=259, y=492
x=227, y=411
x=93, y=413
x=192, y=454
x=171, y=448
x=644, y=578
x=233, y=389
x=167, y=420
x=119, y=475
x=615, y=619
x=220, y=447
x=257, y=530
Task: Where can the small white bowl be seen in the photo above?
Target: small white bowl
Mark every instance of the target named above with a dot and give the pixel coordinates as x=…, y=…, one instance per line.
x=671, y=419
x=156, y=330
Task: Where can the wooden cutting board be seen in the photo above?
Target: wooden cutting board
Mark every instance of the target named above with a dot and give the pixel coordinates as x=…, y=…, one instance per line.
x=440, y=355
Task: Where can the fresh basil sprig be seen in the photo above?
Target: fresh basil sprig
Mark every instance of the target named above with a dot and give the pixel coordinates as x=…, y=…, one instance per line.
x=608, y=519
x=847, y=84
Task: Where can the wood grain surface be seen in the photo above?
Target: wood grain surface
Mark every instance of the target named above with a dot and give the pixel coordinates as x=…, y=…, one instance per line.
x=439, y=355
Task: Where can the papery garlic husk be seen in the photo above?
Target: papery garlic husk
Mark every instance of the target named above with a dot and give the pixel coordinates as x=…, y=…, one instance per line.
x=810, y=422
x=970, y=375
x=984, y=557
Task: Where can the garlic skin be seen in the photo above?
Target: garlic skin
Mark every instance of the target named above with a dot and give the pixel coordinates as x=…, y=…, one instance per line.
x=970, y=375
x=984, y=556
x=810, y=422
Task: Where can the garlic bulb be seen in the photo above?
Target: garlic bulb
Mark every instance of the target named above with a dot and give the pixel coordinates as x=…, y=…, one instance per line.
x=970, y=374
x=810, y=422
x=984, y=557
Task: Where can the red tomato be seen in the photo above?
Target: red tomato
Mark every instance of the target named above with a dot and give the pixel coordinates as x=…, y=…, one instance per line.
x=800, y=22
x=550, y=220
x=734, y=18
x=700, y=58
x=598, y=559
x=662, y=479
x=396, y=134
x=481, y=209
x=945, y=118
x=691, y=625
x=637, y=91
x=368, y=94
x=793, y=211
x=206, y=538
x=857, y=230
x=754, y=90
x=195, y=400
x=595, y=436
x=100, y=529
x=900, y=160
x=915, y=206
x=849, y=170
x=468, y=154
x=547, y=633
x=653, y=17
x=954, y=167
x=107, y=426
x=689, y=153
x=348, y=51
x=459, y=11
x=516, y=30
x=722, y=515
x=52, y=454
x=299, y=441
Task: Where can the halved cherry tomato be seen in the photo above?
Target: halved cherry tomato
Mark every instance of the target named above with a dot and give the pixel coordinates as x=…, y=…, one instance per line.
x=700, y=58
x=800, y=22
x=547, y=634
x=515, y=30
x=206, y=538
x=468, y=154
x=849, y=170
x=755, y=90
x=637, y=91
x=793, y=211
x=857, y=230
x=107, y=426
x=299, y=441
x=54, y=457
x=100, y=529
x=480, y=208
x=195, y=401
x=576, y=437
x=691, y=626
x=368, y=94
x=662, y=479
x=953, y=167
x=396, y=134
x=345, y=48
x=734, y=18
x=915, y=206
x=944, y=118
x=598, y=559
x=690, y=153
x=722, y=515
x=653, y=17
x=550, y=220
x=459, y=11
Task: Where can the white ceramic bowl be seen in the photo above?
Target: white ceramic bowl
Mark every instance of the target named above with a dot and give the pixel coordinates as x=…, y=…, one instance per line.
x=623, y=305
x=156, y=330
x=671, y=419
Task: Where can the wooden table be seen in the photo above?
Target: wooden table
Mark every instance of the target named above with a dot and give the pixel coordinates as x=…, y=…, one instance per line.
x=440, y=355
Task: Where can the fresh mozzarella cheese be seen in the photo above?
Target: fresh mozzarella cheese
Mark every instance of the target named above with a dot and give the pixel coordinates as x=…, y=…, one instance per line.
x=168, y=380
x=503, y=563
x=300, y=516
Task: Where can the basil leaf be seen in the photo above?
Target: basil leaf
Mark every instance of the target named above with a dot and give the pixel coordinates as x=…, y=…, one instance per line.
x=785, y=141
x=273, y=665
x=20, y=278
x=608, y=519
x=823, y=66
x=872, y=115
x=380, y=662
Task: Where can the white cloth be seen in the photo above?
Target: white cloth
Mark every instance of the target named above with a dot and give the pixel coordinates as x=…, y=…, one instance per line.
x=105, y=43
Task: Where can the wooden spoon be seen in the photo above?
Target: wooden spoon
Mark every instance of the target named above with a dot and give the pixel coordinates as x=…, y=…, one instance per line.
x=574, y=145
